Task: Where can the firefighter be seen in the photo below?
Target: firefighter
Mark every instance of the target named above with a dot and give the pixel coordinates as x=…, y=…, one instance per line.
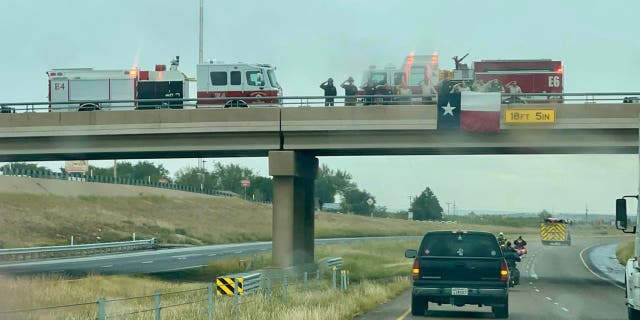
x=350, y=91
x=369, y=91
x=459, y=87
x=514, y=89
x=479, y=86
x=329, y=92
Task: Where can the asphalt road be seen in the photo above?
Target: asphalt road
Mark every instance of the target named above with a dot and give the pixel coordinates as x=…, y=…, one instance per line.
x=157, y=260
x=554, y=284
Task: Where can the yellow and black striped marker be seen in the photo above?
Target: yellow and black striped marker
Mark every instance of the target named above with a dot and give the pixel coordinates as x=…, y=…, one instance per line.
x=553, y=232
x=225, y=286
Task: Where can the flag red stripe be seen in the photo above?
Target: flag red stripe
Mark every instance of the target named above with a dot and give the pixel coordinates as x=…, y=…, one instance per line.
x=480, y=121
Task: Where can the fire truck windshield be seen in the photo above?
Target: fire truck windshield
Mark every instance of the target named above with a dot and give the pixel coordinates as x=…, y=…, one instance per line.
x=272, y=79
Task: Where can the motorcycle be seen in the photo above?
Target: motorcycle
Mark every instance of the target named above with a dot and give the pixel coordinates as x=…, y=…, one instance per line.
x=521, y=251
x=514, y=276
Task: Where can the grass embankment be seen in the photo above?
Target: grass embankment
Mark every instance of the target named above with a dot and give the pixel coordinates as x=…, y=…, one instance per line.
x=624, y=251
x=31, y=220
x=372, y=267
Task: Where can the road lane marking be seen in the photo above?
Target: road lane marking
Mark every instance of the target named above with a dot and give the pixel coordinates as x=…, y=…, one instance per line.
x=548, y=298
x=595, y=274
x=147, y=261
x=211, y=255
x=107, y=266
x=565, y=309
x=537, y=290
x=184, y=256
x=238, y=251
x=556, y=303
x=406, y=313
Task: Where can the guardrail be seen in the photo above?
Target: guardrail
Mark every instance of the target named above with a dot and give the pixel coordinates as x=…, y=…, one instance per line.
x=125, y=181
x=306, y=101
x=270, y=289
x=16, y=254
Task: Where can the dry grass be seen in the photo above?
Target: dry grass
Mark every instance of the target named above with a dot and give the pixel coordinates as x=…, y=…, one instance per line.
x=31, y=219
x=624, y=251
x=365, y=261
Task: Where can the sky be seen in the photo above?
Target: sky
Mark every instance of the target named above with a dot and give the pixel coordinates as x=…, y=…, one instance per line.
x=309, y=41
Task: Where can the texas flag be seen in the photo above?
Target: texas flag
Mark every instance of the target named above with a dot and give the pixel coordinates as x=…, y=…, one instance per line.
x=469, y=111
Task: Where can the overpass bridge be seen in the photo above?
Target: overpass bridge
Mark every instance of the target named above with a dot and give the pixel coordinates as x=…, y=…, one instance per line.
x=293, y=138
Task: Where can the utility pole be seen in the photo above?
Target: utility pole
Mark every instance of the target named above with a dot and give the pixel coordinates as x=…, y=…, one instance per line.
x=454, y=207
x=200, y=57
x=448, y=208
x=586, y=213
x=115, y=169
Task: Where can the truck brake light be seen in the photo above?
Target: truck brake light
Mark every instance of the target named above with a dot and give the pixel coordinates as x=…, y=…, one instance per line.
x=415, y=271
x=504, y=271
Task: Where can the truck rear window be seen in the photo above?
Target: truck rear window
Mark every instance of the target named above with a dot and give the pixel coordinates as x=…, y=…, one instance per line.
x=459, y=245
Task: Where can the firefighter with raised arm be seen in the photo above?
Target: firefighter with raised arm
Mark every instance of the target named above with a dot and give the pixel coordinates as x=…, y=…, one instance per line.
x=350, y=91
x=329, y=92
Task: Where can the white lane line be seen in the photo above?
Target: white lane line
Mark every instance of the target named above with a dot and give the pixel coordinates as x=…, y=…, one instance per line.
x=548, y=298
x=565, y=309
x=237, y=251
x=531, y=283
x=211, y=255
x=188, y=255
x=537, y=290
x=406, y=313
x=151, y=261
x=556, y=303
x=107, y=266
x=182, y=258
x=186, y=268
x=532, y=272
x=595, y=274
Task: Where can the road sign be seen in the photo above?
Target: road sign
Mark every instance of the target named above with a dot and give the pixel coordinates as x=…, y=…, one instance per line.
x=79, y=166
x=529, y=116
x=163, y=180
x=369, y=201
x=410, y=215
x=245, y=183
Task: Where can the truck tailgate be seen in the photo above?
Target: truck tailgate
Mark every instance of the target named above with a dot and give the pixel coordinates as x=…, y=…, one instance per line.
x=460, y=268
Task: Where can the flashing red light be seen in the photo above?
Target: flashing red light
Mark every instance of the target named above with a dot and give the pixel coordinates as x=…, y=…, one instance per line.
x=52, y=74
x=559, y=69
x=133, y=72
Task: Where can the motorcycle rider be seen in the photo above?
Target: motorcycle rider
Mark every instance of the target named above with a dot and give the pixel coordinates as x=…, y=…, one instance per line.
x=511, y=257
x=519, y=243
x=501, y=239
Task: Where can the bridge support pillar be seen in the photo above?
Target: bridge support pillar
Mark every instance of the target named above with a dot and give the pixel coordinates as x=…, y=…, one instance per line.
x=294, y=174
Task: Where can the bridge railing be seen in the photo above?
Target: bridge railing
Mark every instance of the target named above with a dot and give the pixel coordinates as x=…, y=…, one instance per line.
x=16, y=254
x=126, y=181
x=303, y=101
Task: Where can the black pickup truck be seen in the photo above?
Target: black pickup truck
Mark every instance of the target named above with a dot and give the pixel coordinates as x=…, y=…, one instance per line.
x=458, y=268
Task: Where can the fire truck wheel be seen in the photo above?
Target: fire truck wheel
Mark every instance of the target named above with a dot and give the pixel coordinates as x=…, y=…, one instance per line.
x=89, y=107
x=235, y=104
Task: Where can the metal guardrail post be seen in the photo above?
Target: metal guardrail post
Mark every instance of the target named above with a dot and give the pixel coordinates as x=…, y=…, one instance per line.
x=102, y=314
x=306, y=276
x=285, y=286
x=318, y=279
x=268, y=288
x=157, y=306
x=333, y=278
x=210, y=300
x=235, y=297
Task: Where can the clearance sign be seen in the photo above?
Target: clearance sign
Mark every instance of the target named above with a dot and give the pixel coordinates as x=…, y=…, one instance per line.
x=512, y=116
x=80, y=166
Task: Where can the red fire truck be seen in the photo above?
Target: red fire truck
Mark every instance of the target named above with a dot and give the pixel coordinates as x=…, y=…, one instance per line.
x=231, y=83
x=531, y=76
x=86, y=89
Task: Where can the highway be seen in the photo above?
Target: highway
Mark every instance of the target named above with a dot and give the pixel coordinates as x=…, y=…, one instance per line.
x=555, y=284
x=157, y=260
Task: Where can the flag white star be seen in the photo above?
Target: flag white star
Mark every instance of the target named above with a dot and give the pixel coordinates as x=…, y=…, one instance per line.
x=448, y=109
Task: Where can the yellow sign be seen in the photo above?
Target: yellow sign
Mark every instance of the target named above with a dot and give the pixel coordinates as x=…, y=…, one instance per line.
x=530, y=116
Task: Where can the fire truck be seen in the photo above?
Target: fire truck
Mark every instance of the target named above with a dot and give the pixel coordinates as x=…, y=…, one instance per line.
x=418, y=72
x=531, y=75
x=86, y=89
x=237, y=85
x=555, y=231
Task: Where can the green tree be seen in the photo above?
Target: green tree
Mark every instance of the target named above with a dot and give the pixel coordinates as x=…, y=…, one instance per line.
x=196, y=178
x=24, y=166
x=330, y=183
x=355, y=200
x=426, y=206
x=544, y=214
x=230, y=175
x=261, y=188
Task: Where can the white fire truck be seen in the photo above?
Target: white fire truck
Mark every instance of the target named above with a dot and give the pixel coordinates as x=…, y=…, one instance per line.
x=86, y=89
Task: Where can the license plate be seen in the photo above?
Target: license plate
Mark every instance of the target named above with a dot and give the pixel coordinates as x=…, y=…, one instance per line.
x=459, y=291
